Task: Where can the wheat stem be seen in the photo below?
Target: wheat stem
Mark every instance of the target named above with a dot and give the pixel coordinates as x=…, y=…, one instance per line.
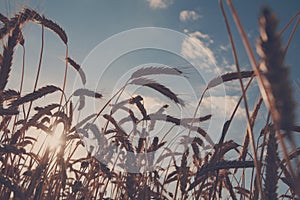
x=38, y=71
x=65, y=76
x=249, y=129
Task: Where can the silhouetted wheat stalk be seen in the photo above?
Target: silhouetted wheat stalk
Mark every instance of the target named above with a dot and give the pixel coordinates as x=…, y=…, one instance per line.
x=78, y=69
x=7, y=57
x=271, y=167
x=275, y=76
x=30, y=169
x=270, y=38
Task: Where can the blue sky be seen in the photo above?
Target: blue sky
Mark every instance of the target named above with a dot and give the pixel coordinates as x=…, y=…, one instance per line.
x=88, y=23
x=91, y=23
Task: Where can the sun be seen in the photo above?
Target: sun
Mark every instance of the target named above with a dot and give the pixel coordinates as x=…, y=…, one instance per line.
x=55, y=140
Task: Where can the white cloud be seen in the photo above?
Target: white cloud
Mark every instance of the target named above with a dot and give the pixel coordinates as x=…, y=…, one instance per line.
x=221, y=108
x=152, y=104
x=188, y=15
x=225, y=48
x=203, y=36
x=195, y=49
x=218, y=107
x=228, y=68
x=159, y=4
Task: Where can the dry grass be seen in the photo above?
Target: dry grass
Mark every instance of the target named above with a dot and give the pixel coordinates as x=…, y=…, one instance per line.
x=30, y=169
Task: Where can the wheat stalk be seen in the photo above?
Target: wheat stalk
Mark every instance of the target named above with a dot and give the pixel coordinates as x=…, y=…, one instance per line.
x=54, y=27
x=78, y=69
x=146, y=71
x=271, y=167
x=35, y=95
x=158, y=87
x=7, y=57
x=87, y=92
x=275, y=76
x=228, y=77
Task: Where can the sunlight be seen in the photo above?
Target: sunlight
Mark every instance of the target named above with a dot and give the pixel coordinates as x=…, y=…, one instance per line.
x=54, y=141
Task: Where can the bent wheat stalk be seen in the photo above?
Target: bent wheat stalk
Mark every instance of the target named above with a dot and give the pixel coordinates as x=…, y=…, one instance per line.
x=269, y=35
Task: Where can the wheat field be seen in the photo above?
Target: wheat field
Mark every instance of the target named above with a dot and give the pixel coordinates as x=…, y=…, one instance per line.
x=267, y=166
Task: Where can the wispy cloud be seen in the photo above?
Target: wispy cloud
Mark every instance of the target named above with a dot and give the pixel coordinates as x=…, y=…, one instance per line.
x=202, y=36
x=159, y=4
x=188, y=15
x=195, y=48
x=222, y=106
x=225, y=47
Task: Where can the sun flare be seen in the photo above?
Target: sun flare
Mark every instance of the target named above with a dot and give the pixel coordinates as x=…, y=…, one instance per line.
x=54, y=141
